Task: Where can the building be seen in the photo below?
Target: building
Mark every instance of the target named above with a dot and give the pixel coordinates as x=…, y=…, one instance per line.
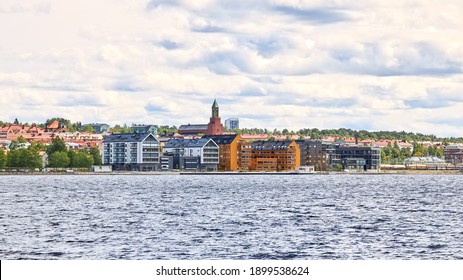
x=99, y=127
x=246, y=157
x=356, y=158
x=255, y=137
x=214, y=127
x=193, y=154
x=56, y=127
x=232, y=124
x=101, y=168
x=192, y=129
x=434, y=163
x=454, y=154
x=30, y=133
x=143, y=128
x=275, y=155
x=315, y=153
x=131, y=151
x=230, y=152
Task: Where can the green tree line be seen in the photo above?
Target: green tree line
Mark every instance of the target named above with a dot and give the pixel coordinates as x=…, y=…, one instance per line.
x=316, y=133
x=58, y=156
x=392, y=154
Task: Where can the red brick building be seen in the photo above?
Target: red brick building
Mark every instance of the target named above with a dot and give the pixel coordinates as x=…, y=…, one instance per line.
x=214, y=127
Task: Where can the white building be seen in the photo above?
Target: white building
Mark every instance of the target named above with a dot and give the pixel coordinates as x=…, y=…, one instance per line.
x=232, y=124
x=131, y=151
x=200, y=153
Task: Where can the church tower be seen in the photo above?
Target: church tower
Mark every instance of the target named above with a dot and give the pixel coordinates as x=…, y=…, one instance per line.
x=215, y=127
x=215, y=109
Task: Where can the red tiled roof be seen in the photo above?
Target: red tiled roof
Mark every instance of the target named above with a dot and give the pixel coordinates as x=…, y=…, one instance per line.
x=254, y=136
x=53, y=125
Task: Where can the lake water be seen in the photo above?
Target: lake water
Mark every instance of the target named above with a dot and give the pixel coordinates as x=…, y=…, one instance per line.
x=231, y=217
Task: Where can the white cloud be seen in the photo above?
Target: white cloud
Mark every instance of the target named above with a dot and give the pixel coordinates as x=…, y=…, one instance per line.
x=275, y=64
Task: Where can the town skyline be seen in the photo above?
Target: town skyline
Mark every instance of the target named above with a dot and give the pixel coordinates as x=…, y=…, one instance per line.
x=273, y=64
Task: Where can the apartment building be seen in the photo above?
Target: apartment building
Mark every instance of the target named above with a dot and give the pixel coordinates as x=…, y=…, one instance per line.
x=315, y=153
x=230, y=151
x=275, y=155
x=193, y=154
x=356, y=158
x=131, y=151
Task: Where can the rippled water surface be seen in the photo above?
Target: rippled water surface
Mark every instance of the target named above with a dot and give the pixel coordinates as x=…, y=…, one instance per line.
x=231, y=217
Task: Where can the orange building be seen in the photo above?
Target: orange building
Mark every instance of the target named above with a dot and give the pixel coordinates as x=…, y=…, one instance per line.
x=230, y=152
x=246, y=156
x=275, y=155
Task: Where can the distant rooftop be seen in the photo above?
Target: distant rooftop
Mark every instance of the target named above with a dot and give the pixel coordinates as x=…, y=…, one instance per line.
x=126, y=137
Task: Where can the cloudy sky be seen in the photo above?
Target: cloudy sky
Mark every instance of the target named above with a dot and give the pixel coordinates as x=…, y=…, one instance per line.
x=370, y=64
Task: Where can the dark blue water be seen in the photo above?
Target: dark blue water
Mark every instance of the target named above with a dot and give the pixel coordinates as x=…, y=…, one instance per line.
x=231, y=217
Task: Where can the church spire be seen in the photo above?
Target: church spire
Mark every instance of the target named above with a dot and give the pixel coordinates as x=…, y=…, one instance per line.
x=215, y=109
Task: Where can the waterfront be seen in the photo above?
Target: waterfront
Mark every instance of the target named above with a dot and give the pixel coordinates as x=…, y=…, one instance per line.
x=231, y=217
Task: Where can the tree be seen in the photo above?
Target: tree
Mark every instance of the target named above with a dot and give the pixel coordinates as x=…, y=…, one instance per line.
x=435, y=151
x=58, y=160
x=37, y=146
x=82, y=160
x=419, y=150
x=405, y=153
x=2, y=159
x=57, y=145
x=121, y=129
x=71, y=155
x=395, y=151
x=66, y=122
x=95, y=153
x=27, y=158
x=87, y=128
x=165, y=129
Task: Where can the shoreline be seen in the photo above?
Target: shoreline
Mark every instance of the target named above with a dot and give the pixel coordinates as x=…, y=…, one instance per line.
x=215, y=173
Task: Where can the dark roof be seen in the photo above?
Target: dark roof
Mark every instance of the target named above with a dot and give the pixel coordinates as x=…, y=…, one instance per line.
x=97, y=124
x=226, y=139
x=144, y=125
x=187, y=143
x=127, y=137
x=271, y=145
x=193, y=127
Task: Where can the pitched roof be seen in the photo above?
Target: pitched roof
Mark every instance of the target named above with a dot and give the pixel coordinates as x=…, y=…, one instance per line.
x=53, y=125
x=254, y=136
x=187, y=143
x=127, y=137
x=271, y=145
x=223, y=139
x=193, y=127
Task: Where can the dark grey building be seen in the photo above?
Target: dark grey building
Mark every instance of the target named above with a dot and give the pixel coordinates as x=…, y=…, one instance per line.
x=356, y=158
x=192, y=129
x=316, y=153
x=167, y=162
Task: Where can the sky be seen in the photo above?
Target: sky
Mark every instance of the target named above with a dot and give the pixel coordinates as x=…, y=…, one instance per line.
x=366, y=65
